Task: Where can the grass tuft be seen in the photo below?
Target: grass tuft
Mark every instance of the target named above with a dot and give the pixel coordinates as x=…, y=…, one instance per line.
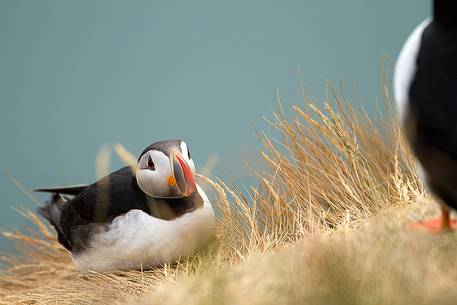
x=324, y=225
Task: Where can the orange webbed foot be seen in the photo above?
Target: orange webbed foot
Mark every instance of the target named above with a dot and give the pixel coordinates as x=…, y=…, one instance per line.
x=434, y=225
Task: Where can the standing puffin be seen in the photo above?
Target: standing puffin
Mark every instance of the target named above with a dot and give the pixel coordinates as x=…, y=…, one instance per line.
x=425, y=87
x=146, y=216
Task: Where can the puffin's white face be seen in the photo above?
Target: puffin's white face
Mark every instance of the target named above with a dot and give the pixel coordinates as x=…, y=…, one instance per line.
x=167, y=172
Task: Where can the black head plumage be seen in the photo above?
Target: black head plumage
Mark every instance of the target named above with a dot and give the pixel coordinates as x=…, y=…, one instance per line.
x=164, y=146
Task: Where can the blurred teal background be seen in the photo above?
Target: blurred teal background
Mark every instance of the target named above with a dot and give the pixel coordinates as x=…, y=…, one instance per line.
x=75, y=75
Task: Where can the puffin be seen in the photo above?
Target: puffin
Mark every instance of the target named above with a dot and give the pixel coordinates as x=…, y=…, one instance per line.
x=425, y=91
x=136, y=217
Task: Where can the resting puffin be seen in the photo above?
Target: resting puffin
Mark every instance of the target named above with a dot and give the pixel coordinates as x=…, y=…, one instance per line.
x=134, y=218
x=425, y=88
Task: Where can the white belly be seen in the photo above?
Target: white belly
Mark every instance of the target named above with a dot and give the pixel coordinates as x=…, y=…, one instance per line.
x=136, y=239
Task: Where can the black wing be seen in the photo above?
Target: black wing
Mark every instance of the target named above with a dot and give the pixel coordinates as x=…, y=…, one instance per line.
x=99, y=203
x=69, y=190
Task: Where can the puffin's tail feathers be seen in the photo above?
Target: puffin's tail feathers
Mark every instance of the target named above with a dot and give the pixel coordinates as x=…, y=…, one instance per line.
x=52, y=212
x=68, y=190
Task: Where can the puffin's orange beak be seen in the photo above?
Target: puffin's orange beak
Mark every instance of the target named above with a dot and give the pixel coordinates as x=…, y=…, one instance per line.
x=182, y=175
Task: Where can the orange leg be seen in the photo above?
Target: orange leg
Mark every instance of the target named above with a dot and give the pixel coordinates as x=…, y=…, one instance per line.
x=443, y=224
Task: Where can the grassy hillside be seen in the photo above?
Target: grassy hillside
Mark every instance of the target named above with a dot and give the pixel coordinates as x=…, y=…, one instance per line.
x=378, y=263
x=325, y=225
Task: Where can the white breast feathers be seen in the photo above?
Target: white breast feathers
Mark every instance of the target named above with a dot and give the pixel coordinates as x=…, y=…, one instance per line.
x=136, y=239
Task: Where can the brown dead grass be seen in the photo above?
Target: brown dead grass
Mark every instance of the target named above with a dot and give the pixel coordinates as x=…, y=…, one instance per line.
x=329, y=171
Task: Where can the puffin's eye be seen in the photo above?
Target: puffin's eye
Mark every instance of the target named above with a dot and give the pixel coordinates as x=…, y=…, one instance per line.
x=188, y=153
x=151, y=164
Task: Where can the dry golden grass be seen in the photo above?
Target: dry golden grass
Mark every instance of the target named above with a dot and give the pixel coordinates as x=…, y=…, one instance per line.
x=325, y=225
x=377, y=263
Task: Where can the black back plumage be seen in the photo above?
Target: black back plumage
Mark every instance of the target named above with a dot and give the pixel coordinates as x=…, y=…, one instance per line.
x=99, y=203
x=445, y=13
x=431, y=122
